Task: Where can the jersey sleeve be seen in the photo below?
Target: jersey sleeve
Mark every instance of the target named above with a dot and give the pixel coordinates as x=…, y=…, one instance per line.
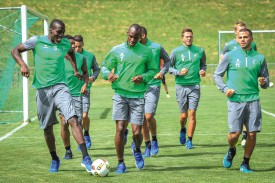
x=172, y=70
x=95, y=68
x=108, y=64
x=203, y=65
x=225, y=49
x=30, y=43
x=219, y=73
x=164, y=55
x=264, y=73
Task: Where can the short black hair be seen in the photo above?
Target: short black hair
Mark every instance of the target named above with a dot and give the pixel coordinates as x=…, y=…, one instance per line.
x=136, y=27
x=246, y=30
x=57, y=21
x=78, y=38
x=143, y=30
x=68, y=36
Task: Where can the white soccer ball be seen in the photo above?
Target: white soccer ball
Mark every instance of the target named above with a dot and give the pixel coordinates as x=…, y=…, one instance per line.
x=100, y=168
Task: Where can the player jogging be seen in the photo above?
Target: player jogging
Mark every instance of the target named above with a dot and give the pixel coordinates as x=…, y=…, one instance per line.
x=188, y=65
x=152, y=95
x=246, y=69
x=93, y=71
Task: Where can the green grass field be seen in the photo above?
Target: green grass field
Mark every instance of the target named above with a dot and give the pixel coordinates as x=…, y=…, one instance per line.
x=24, y=156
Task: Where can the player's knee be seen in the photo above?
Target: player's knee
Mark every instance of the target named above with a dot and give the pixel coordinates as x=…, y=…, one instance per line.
x=48, y=131
x=149, y=117
x=85, y=116
x=252, y=135
x=183, y=117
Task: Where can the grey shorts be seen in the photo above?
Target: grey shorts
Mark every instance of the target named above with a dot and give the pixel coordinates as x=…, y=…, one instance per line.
x=86, y=102
x=129, y=109
x=247, y=113
x=51, y=99
x=187, y=97
x=151, y=99
x=78, y=107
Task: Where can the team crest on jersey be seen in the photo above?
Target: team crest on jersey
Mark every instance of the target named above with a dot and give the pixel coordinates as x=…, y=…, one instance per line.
x=234, y=48
x=182, y=57
x=195, y=55
x=238, y=63
x=254, y=62
x=54, y=47
x=122, y=56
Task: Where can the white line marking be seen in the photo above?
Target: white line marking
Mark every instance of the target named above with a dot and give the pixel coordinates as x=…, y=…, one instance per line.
x=16, y=129
x=13, y=131
x=269, y=113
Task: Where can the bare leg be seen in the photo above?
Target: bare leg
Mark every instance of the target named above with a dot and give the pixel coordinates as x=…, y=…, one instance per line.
x=250, y=144
x=137, y=135
x=192, y=123
x=65, y=132
x=49, y=138
x=183, y=119
x=119, y=138
x=145, y=131
x=232, y=139
x=86, y=121
x=151, y=121
x=76, y=130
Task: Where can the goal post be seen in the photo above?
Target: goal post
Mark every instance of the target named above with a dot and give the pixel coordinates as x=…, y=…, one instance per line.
x=18, y=24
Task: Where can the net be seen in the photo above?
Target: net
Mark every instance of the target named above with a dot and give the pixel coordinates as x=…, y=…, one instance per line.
x=11, y=98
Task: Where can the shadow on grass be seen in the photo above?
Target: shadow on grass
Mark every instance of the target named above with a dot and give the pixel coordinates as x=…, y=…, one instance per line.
x=265, y=170
x=151, y=168
x=105, y=113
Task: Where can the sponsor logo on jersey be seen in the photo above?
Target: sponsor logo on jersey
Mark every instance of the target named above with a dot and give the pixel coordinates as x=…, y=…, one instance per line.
x=182, y=57
x=237, y=64
x=122, y=56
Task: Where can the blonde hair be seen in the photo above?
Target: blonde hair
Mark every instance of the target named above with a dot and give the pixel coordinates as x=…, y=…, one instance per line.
x=239, y=24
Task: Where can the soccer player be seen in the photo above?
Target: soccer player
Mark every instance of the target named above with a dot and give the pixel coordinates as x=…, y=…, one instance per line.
x=152, y=95
x=188, y=65
x=134, y=66
x=246, y=69
x=93, y=71
x=77, y=88
x=232, y=45
x=50, y=82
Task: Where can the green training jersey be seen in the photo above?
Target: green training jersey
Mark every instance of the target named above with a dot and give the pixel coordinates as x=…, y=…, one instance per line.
x=242, y=74
x=74, y=83
x=49, y=62
x=192, y=58
x=127, y=63
x=156, y=52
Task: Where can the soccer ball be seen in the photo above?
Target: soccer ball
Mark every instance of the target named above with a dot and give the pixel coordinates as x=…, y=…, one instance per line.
x=100, y=168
